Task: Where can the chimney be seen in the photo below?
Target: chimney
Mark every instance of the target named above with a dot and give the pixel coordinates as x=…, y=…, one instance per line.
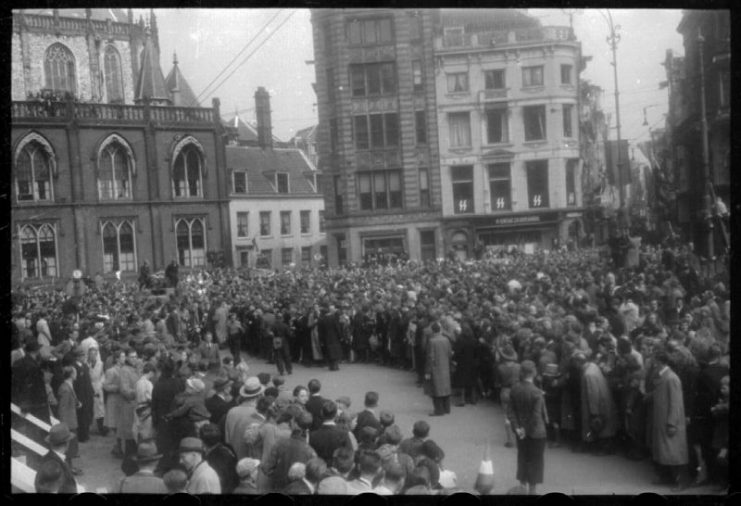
x=262, y=111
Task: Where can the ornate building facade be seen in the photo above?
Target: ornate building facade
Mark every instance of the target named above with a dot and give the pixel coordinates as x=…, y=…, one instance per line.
x=107, y=170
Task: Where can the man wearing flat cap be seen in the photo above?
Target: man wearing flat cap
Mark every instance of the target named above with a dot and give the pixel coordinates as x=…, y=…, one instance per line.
x=144, y=481
x=203, y=478
x=58, y=442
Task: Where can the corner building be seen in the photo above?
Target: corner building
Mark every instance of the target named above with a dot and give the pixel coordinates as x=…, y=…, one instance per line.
x=507, y=98
x=377, y=136
x=108, y=167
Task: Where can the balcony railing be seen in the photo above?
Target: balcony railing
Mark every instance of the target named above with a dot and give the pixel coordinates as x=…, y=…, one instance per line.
x=37, y=109
x=46, y=22
x=504, y=37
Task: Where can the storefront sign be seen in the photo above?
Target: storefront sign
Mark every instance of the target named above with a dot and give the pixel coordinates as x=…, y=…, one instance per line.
x=516, y=220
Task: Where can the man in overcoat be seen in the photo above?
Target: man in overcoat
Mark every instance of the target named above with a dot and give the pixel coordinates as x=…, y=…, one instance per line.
x=85, y=395
x=329, y=335
x=437, y=370
x=598, y=412
x=58, y=441
x=27, y=380
x=668, y=428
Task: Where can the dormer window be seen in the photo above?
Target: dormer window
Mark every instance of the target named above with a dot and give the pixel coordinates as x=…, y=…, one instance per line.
x=240, y=181
x=453, y=36
x=281, y=182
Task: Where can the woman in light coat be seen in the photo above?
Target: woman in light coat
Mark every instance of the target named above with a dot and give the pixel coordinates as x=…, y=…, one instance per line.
x=111, y=385
x=97, y=378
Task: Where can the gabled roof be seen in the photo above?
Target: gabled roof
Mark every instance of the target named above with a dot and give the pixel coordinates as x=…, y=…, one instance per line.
x=115, y=15
x=247, y=131
x=261, y=165
x=307, y=134
x=175, y=81
x=151, y=82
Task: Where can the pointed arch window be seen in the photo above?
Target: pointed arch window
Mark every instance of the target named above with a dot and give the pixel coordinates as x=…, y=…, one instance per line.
x=38, y=251
x=187, y=172
x=33, y=173
x=119, y=247
x=191, y=242
x=59, y=68
x=113, y=75
x=114, y=172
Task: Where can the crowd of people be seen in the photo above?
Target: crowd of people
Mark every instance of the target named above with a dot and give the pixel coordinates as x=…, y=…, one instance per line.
x=630, y=360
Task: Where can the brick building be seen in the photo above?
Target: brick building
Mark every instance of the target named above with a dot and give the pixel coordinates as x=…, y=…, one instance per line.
x=507, y=101
x=107, y=170
x=377, y=137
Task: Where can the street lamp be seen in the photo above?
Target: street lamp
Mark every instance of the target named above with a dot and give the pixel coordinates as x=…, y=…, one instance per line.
x=613, y=40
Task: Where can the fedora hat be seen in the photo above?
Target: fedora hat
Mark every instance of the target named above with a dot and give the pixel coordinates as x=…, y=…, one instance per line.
x=508, y=353
x=147, y=452
x=221, y=382
x=190, y=444
x=251, y=388
x=58, y=434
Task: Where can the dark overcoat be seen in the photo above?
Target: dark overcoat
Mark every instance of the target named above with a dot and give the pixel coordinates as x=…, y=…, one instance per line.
x=437, y=366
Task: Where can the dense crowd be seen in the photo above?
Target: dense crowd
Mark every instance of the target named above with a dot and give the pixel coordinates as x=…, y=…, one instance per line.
x=633, y=360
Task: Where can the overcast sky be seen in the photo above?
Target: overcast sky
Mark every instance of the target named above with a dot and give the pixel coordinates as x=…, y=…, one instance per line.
x=206, y=40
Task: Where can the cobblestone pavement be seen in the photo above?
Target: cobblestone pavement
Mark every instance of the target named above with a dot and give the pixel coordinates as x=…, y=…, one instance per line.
x=463, y=436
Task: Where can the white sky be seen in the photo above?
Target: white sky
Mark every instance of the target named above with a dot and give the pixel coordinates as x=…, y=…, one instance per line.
x=206, y=40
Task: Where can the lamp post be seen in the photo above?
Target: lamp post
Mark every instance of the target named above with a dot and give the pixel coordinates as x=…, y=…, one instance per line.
x=708, y=188
x=613, y=40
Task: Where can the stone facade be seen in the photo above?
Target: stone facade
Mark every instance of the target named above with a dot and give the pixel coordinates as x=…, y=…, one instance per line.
x=63, y=222
x=341, y=160
x=483, y=122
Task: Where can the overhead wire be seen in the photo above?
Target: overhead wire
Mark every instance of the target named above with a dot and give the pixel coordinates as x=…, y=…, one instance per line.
x=257, y=34
x=264, y=41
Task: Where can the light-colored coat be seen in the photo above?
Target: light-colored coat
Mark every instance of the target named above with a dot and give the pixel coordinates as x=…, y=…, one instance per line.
x=111, y=384
x=128, y=377
x=96, y=378
x=67, y=407
x=668, y=410
x=439, y=353
x=204, y=480
x=596, y=399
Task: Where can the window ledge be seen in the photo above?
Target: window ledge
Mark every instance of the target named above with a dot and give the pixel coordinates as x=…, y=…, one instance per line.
x=499, y=145
x=535, y=142
x=458, y=94
x=533, y=89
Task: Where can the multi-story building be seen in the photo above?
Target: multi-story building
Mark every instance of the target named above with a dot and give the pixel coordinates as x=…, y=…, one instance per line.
x=107, y=171
x=377, y=135
x=275, y=208
x=685, y=121
x=507, y=100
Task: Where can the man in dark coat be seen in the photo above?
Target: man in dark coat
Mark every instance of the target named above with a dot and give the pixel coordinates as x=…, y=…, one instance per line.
x=171, y=273
x=466, y=372
x=315, y=403
x=164, y=392
x=367, y=417
x=58, y=441
x=281, y=344
x=437, y=370
x=221, y=402
x=27, y=380
x=83, y=386
x=527, y=416
x=220, y=457
x=288, y=451
x=701, y=426
x=327, y=438
x=330, y=334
